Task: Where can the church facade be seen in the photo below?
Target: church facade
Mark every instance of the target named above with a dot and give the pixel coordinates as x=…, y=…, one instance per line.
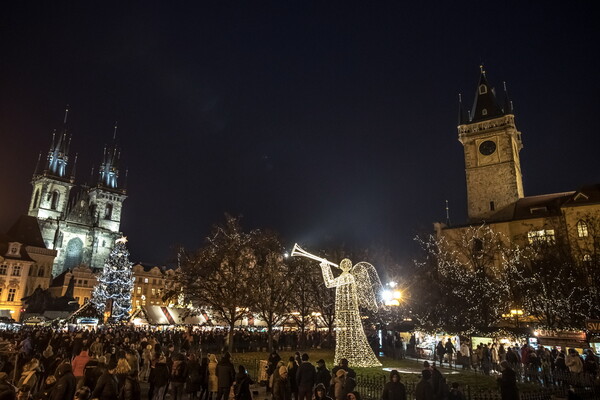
x=81, y=223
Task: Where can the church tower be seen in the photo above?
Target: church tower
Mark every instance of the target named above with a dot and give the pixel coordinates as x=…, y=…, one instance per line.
x=52, y=184
x=491, y=145
x=106, y=199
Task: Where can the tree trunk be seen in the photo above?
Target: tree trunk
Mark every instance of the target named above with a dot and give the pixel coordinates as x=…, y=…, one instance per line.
x=231, y=326
x=270, y=336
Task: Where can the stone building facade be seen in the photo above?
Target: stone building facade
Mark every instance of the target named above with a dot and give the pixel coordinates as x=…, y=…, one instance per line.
x=79, y=223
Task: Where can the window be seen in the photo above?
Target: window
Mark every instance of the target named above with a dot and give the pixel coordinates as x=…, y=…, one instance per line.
x=54, y=202
x=587, y=258
x=3, y=269
x=153, y=292
x=541, y=236
x=145, y=280
x=85, y=282
x=16, y=270
x=582, y=229
x=484, y=111
x=482, y=89
x=139, y=290
x=79, y=282
x=477, y=245
x=41, y=271
x=108, y=211
x=492, y=206
x=137, y=303
x=36, y=199
x=154, y=281
x=11, y=294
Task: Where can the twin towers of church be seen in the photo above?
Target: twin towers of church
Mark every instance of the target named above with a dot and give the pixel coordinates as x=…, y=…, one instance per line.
x=80, y=222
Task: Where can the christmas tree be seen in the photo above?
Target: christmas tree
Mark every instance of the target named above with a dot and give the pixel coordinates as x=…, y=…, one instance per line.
x=115, y=283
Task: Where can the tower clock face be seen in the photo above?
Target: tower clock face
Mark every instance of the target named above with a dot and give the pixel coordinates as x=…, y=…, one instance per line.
x=487, y=148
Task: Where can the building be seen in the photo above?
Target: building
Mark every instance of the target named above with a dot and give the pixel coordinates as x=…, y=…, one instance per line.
x=150, y=285
x=79, y=223
x=84, y=280
x=495, y=193
x=25, y=264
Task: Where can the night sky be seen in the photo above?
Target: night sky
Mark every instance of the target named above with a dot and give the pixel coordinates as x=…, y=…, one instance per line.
x=331, y=122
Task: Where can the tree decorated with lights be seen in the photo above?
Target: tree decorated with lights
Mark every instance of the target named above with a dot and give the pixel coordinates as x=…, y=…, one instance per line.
x=115, y=283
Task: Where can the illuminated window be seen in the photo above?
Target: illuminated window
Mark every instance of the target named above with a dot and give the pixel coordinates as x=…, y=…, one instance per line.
x=482, y=90
x=541, y=236
x=137, y=303
x=16, y=270
x=11, y=294
x=582, y=229
x=153, y=292
x=3, y=269
x=139, y=290
x=587, y=258
x=145, y=280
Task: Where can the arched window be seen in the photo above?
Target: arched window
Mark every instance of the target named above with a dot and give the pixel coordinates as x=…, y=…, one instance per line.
x=36, y=199
x=108, y=211
x=482, y=89
x=582, y=229
x=54, y=203
x=74, y=254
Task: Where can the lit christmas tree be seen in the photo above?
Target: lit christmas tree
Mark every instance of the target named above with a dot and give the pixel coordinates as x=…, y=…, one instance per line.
x=115, y=283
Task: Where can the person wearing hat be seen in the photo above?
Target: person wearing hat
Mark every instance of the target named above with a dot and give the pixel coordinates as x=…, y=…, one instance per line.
x=508, y=382
x=160, y=377
x=323, y=375
x=320, y=393
x=394, y=389
x=339, y=382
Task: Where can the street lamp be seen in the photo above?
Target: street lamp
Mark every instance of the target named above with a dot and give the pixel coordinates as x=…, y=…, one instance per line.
x=391, y=297
x=515, y=313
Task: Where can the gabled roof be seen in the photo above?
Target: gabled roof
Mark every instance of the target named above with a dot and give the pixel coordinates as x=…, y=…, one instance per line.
x=27, y=231
x=545, y=205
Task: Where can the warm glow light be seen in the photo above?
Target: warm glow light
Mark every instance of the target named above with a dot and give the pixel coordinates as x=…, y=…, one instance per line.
x=122, y=239
x=354, y=286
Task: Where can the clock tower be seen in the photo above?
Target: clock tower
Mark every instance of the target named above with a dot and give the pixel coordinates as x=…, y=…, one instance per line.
x=491, y=144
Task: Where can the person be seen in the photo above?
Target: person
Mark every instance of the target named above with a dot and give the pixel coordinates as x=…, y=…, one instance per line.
x=350, y=377
x=323, y=375
x=281, y=385
x=455, y=392
x=338, y=383
x=353, y=396
x=213, y=382
x=440, y=351
x=438, y=382
x=65, y=383
x=83, y=393
x=466, y=355
x=107, y=387
x=225, y=377
x=573, y=361
x=305, y=378
x=204, y=378
x=7, y=391
x=242, y=384
x=424, y=389
x=394, y=389
x=179, y=372
x=590, y=365
x=78, y=364
x=320, y=393
x=160, y=376
x=292, y=367
x=30, y=375
x=272, y=362
x=508, y=382
x=93, y=371
x=450, y=350
x=193, y=383
x=147, y=358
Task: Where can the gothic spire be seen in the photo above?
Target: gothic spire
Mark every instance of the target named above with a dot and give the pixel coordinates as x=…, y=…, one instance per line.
x=58, y=154
x=485, y=105
x=108, y=172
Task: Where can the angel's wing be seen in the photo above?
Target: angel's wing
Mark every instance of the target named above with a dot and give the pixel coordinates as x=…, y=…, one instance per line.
x=367, y=284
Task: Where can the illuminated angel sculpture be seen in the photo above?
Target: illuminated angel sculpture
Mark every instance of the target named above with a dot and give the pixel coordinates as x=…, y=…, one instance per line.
x=353, y=287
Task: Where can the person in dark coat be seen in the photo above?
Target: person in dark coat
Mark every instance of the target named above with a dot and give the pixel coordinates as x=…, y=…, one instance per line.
x=242, y=384
x=305, y=378
x=394, y=389
x=320, y=393
x=508, y=382
x=323, y=375
x=424, y=389
x=281, y=385
x=107, y=387
x=225, y=377
x=7, y=391
x=292, y=367
x=193, y=384
x=204, y=378
x=160, y=376
x=65, y=383
x=179, y=373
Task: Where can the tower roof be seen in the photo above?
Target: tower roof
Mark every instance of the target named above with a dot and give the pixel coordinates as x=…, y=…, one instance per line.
x=486, y=104
x=108, y=172
x=58, y=154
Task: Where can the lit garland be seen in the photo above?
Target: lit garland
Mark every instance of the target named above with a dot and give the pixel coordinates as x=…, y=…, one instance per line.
x=356, y=285
x=115, y=283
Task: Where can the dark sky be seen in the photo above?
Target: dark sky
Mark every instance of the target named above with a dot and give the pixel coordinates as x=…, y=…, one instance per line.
x=331, y=122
